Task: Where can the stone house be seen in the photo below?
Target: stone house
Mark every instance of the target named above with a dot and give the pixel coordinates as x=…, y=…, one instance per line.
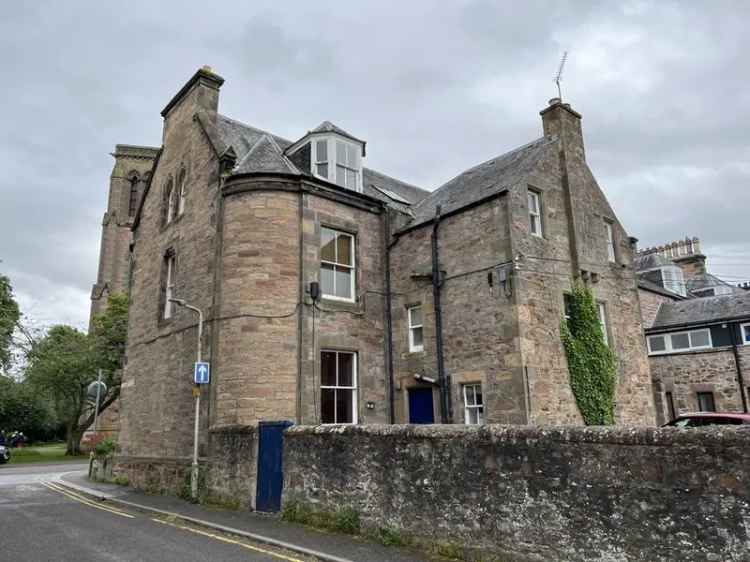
x=697, y=330
x=333, y=293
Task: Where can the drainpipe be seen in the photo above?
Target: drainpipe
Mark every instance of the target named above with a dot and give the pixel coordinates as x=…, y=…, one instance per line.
x=445, y=416
x=740, y=378
x=388, y=321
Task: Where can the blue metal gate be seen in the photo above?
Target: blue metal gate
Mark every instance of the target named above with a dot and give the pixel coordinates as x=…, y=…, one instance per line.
x=270, y=465
x=421, y=409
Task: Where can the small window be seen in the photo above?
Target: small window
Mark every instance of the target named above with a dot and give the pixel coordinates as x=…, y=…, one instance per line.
x=704, y=293
x=745, y=333
x=169, y=278
x=602, y=312
x=416, y=336
x=337, y=265
x=181, y=193
x=657, y=344
x=706, y=402
x=347, y=165
x=670, y=405
x=321, y=158
x=473, y=404
x=610, y=241
x=338, y=387
x=680, y=341
x=133, y=200
x=567, y=306
x=535, y=214
x=170, y=199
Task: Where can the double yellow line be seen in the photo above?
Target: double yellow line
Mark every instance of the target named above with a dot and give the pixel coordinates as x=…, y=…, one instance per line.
x=81, y=499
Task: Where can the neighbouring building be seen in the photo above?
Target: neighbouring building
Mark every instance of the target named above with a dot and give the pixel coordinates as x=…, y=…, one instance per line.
x=697, y=329
x=333, y=293
x=131, y=171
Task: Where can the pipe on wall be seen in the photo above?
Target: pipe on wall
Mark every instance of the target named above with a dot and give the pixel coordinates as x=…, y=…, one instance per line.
x=388, y=321
x=445, y=406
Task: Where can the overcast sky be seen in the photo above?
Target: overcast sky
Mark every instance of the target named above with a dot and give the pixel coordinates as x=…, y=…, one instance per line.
x=433, y=87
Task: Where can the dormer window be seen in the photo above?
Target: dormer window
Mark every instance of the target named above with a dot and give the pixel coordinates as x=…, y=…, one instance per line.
x=347, y=165
x=331, y=154
x=337, y=161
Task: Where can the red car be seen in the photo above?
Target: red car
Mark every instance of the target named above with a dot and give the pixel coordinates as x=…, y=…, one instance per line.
x=702, y=419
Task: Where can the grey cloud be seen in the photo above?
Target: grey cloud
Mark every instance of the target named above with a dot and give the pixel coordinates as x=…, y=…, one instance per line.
x=434, y=88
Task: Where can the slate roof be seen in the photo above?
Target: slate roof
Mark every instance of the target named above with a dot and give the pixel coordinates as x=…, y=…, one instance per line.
x=259, y=151
x=702, y=311
x=328, y=127
x=477, y=183
x=647, y=285
x=651, y=261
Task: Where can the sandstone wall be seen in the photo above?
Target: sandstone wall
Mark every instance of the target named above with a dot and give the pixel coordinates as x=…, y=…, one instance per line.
x=479, y=322
x=686, y=374
x=521, y=493
x=650, y=303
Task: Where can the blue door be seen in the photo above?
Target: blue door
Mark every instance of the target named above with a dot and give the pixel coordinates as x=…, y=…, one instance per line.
x=270, y=465
x=420, y=406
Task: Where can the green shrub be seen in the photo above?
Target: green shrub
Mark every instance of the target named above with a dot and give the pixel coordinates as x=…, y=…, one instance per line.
x=389, y=537
x=591, y=363
x=121, y=480
x=105, y=447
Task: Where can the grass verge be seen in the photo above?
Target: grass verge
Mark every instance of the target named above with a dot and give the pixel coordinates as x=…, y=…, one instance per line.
x=54, y=452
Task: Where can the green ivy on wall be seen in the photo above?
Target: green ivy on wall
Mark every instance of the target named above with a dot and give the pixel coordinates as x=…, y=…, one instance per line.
x=591, y=362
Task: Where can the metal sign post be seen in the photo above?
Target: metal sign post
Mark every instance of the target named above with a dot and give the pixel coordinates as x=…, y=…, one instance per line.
x=202, y=369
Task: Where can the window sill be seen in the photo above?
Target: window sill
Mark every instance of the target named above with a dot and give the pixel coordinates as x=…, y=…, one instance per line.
x=336, y=304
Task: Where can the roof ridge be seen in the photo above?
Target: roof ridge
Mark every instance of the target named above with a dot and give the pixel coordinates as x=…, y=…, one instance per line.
x=289, y=163
x=252, y=148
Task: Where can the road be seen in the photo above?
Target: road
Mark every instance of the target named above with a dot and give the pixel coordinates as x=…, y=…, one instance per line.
x=41, y=521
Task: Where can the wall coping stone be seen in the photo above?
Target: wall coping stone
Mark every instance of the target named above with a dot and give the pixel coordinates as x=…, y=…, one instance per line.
x=722, y=436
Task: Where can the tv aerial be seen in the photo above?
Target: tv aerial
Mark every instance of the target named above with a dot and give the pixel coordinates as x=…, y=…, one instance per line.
x=558, y=76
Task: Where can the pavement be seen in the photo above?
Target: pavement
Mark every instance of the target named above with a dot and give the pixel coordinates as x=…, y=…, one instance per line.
x=53, y=512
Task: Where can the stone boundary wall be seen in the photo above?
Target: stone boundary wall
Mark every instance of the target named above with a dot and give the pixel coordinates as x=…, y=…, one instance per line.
x=534, y=493
x=155, y=475
x=232, y=465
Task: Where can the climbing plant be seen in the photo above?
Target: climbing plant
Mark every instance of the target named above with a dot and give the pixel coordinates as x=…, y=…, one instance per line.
x=591, y=363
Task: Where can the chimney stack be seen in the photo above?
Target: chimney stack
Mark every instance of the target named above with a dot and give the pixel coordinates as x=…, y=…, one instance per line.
x=560, y=120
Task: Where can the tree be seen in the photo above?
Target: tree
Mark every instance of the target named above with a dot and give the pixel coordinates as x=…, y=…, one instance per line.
x=23, y=408
x=9, y=316
x=65, y=362
x=61, y=366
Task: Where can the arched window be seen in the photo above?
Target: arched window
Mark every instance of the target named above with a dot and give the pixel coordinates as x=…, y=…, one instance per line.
x=133, y=199
x=182, y=192
x=169, y=201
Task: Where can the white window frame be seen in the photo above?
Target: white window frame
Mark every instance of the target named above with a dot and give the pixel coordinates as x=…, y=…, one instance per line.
x=316, y=160
x=534, y=202
x=335, y=264
x=168, y=304
x=332, y=161
x=601, y=310
x=469, y=407
x=668, y=342
x=353, y=389
x=611, y=256
x=412, y=347
x=744, y=326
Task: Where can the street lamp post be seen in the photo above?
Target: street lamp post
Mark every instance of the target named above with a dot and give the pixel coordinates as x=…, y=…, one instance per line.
x=196, y=392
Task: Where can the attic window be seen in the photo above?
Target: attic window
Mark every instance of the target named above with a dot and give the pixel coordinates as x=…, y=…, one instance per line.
x=338, y=161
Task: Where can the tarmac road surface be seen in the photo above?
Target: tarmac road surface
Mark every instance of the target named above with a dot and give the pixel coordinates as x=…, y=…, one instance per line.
x=41, y=521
